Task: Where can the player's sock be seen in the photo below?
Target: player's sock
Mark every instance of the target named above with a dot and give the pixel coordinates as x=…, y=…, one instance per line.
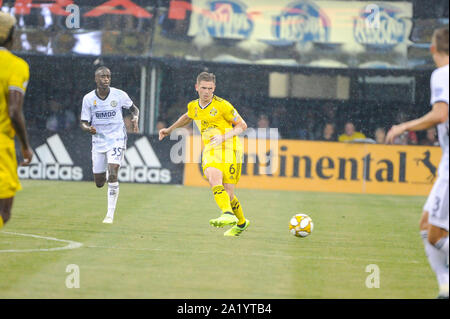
x=438, y=262
x=1, y=222
x=113, y=194
x=424, y=236
x=237, y=210
x=222, y=199
x=443, y=245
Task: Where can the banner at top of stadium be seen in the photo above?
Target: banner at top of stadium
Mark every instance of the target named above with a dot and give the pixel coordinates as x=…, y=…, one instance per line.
x=97, y=7
x=381, y=24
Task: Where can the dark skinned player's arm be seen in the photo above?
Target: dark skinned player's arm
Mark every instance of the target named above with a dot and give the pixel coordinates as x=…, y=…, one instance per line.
x=15, y=107
x=134, y=111
x=86, y=126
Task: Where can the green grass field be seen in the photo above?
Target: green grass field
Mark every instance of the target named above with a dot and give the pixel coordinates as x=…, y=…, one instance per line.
x=162, y=246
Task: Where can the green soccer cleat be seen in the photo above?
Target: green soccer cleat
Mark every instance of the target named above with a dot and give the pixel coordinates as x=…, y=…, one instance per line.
x=224, y=220
x=236, y=230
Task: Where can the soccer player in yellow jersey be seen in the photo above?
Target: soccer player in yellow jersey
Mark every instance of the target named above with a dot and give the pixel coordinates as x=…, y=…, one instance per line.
x=14, y=74
x=220, y=124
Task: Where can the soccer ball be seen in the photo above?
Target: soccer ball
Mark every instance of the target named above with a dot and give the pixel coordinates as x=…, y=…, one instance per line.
x=301, y=225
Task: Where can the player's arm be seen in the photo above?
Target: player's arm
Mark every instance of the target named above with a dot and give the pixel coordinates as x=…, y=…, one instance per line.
x=85, y=123
x=239, y=126
x=86, y=126
x=438, y=115
x=182, y=121
x=135, y=118
x=15, y=104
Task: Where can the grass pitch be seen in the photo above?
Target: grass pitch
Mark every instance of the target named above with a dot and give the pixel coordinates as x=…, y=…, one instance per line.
x=162, y=246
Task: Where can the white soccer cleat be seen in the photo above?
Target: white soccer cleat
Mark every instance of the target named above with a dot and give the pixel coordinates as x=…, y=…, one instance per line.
x=108, y=220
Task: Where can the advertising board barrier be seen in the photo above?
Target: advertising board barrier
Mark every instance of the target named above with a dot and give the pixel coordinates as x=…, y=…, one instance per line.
x=330, y=167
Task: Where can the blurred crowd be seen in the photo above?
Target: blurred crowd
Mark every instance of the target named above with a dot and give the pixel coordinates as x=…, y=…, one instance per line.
x=325, y=123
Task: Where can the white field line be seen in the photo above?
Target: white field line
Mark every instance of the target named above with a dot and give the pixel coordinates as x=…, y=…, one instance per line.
x=70, y=244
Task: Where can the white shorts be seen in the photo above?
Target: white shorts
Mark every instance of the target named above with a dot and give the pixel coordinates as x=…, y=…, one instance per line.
x=437, y=204
x=100, y=161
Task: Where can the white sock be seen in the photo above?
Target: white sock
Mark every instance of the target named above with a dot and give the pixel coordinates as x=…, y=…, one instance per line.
x=113, y=194
x=424, y=236
x=438, y=262
x=443, y=245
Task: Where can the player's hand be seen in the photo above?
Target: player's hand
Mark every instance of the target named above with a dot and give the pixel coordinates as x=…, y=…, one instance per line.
x=163, y=133
x=27, y=154
x=395, y=131
x=135, y=124
x=216, y=140
x=92, y=130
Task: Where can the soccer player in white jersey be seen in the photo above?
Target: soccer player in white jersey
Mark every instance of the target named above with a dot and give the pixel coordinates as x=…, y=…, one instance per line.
x=101, y=116
x=434, y=221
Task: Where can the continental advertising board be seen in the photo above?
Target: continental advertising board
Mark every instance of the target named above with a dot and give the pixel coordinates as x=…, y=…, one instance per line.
x=329, y=167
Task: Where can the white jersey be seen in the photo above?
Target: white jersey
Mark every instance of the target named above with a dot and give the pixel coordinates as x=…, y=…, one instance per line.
x=106, y=116
x=439, y=93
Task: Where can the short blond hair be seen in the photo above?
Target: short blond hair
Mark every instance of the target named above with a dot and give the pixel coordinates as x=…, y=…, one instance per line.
x=207, y=77
x=440, y=37
x=7, y=23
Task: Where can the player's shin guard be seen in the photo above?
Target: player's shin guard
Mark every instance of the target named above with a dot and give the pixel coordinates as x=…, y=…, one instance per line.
x=113, y=194
x=237, y=210
x=438, y=262
x=222, y=199
x=1, y=222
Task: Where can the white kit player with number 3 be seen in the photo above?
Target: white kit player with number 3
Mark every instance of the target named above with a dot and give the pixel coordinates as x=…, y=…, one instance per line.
x=434, y=221
x=101, y=116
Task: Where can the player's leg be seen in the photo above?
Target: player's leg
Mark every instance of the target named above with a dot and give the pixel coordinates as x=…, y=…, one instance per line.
x=235, y=204
x=242, y=223
x=423, y=227
x=113, y=191
x=100, y=179
x=5, y=210
x=232, y=175
x=114, y=159
x=215, y=177
x=9, y=181
x=99, y=166
x=436, y=245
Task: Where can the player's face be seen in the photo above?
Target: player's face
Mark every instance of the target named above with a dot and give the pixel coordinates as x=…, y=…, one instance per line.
x=103, y=79
x=205, y=90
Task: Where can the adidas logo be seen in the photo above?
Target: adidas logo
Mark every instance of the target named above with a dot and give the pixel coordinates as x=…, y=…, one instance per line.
x=51, y=161
x=142, y=165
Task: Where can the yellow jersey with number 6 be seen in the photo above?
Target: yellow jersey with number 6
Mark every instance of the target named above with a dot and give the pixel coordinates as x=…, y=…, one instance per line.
x=216, y=118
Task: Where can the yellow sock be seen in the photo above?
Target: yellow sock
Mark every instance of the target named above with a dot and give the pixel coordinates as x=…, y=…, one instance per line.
x=1, y=222
x=237, y=210
x=222, y=199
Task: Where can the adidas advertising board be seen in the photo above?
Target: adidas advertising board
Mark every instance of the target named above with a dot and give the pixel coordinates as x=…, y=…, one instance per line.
x=51, y=160
x=142, y=165
x=67, y=157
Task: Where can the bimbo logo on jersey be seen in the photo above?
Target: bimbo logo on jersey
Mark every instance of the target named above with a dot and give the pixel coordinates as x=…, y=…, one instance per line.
x=105, y=114
x=142, y=165
x=51, y=161
x=226, y=19
x=302, y=21
x=382, y=27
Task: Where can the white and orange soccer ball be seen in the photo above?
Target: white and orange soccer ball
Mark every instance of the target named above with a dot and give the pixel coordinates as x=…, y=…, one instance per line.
x=301, y=225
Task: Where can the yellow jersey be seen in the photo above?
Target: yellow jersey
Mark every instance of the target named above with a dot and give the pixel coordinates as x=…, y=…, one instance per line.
x=354, y=136
x=14, y=75
x=216, y=118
